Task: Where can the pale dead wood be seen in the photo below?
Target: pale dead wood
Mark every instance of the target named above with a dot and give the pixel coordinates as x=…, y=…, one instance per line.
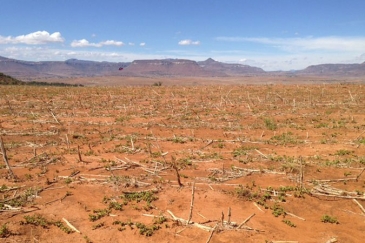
x=332, y=240
x=183, y=221
x=71, y=226
x=263, y=155
x=3, y=151
x=153, y=216
x=285, y=241
x=357, y=177
x=209, y=143
x=335, y=180
x=192, y=202
x=54, y=117
x=257, y=206
x=201, y=216
x=211, y=233
x=229, y=216
x=295, y=216
x=246, y=220
x=360, y=206
x=154, y=190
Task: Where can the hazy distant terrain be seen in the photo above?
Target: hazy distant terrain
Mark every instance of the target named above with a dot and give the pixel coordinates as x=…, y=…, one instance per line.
x=73, y=68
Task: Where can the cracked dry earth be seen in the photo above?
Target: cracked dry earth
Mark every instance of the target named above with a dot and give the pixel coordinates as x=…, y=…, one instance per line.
x=234, y=163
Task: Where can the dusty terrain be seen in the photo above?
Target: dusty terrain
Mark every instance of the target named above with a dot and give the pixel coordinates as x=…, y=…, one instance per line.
x=286, y=161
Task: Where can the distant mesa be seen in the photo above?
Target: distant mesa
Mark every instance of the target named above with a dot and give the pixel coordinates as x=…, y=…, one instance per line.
x=73, y=68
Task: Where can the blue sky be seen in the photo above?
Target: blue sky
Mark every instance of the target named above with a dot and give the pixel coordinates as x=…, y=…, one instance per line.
x=271, y=34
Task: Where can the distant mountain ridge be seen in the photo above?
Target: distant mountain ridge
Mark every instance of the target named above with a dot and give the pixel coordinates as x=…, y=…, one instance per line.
x=346, y=70
x=28, y=70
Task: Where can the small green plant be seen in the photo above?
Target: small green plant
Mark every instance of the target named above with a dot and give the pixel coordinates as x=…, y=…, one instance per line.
x=98, y=214
x=270, y=124
x=99, y=225
x=62, y=227
x=87, y=239
x=147, y=196
x=4, y=231
x=343, y=152
x=329, y=219
x=288, y=222
x=277, y=210
x=37, y=220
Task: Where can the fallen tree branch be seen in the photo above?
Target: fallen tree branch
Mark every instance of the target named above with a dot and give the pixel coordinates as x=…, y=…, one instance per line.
x=183, y=221
x=71, y=226
x=3, y=151
x=245, y=221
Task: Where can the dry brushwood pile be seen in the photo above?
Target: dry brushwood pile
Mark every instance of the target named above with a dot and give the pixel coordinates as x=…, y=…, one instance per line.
x=248, y=163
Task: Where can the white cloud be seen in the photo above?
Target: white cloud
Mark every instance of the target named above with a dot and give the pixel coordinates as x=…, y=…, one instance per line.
x=328, y=43
x=86, y=43
x=111, y=43
x=188, y=42
x=142, y=44
x=131, y=43
x=35, y=38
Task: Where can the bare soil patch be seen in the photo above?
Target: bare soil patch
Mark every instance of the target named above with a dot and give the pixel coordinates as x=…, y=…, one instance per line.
x=257, y=163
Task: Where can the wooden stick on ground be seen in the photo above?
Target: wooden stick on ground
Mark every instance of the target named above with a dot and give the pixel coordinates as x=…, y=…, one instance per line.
x=245, y=221
x=361, y=207
x=3, y=151
x=357, y=177
x=71, y=226
x=211, y=234
x=192, y=202
x=183, y=221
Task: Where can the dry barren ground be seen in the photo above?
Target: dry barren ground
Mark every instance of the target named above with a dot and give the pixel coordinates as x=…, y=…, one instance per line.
x=268, y=163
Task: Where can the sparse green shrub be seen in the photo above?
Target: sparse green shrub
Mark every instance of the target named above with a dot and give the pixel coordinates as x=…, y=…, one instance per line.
x=4, y=231
x=329, y=219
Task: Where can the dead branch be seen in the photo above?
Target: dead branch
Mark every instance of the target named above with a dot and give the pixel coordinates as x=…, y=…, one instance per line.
x=245, y=221
x=3, y=151
x=258, y=151
x=295, y=216
x=211, y=234
x=357, y=177
x=360, y=206
x=71, y=226
x=192, y=202
x=183, y=221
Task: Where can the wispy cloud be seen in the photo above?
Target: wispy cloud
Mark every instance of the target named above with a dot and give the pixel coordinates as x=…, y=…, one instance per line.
x=188, y=42
x=329, y=43
x=142, y=44
x=35, y=38
x=86, y=43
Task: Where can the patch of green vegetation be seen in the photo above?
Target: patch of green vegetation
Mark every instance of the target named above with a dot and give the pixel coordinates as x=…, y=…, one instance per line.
x=99, y=225
x=277, y=210
x=143, y=229
x=36, y=220
x=343, y=152
x=329, y=219
x=98, y=214
x=288, y=222
x=62, y=227
x=4, y=231
x=283, y=139
x=147, y=196
x=270, y=124
x=243, y=150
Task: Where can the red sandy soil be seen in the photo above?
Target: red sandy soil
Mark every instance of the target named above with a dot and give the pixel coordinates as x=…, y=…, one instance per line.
x=76, y=150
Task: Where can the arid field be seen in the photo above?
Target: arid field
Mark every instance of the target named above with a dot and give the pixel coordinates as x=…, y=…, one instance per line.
x=211, y=163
